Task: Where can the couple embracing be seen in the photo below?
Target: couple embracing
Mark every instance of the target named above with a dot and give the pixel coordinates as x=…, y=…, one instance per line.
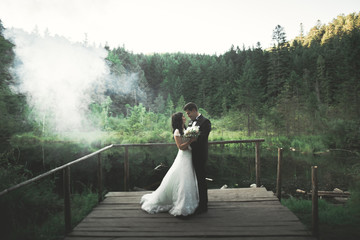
x=183, y=190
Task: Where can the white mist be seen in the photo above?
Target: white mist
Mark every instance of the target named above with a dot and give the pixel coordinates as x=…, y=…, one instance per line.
x=58, y=77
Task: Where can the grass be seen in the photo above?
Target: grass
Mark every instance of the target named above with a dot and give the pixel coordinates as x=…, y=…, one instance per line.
x=302, y=143
x=53, y=227
x=335, y=221
x=81, y=206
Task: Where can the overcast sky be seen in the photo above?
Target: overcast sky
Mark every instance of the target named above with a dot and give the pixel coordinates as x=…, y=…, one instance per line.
x=190, y=26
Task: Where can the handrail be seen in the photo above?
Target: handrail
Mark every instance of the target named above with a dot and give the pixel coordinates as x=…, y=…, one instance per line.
x=106, y=148
x=172, y=144
x=53, y=171
x=239, y=141
x=126, y=157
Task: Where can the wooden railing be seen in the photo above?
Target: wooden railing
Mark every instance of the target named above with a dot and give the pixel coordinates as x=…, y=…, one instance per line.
x=66, y=183
x=66, y=171
x=314, y=192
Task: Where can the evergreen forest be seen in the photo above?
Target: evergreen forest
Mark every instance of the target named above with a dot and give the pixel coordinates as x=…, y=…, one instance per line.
x=305, y=86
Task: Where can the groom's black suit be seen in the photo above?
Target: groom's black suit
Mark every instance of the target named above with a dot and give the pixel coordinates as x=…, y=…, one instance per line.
x=199, y=158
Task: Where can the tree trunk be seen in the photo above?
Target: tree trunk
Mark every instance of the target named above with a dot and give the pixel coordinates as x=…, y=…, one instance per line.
x=248, y=124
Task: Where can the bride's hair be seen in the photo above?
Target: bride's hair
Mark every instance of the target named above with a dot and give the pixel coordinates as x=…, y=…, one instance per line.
x=177, y=122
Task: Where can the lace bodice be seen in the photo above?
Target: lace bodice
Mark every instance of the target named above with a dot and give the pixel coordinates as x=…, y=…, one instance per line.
x=177, y=134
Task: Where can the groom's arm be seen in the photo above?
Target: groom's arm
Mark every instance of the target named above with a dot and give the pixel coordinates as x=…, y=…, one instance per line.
x=205, y=129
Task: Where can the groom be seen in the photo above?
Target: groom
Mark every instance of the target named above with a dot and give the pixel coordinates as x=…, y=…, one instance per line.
x=199, y=152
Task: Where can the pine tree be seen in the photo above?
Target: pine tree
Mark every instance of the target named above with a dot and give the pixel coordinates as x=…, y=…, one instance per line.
x=249, y=94
x=278, y=65
x=180, y=104
x=12, y=105
x=169, y=107
x=159, y=104
x=279, y=36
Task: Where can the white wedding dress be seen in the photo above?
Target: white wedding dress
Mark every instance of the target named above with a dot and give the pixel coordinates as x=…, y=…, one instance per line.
x=178, y=192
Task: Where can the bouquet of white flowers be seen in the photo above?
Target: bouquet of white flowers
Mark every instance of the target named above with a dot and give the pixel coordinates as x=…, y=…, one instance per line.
x=192, y=132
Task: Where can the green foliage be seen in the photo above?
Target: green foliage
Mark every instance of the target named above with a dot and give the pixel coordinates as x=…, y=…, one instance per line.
x=101, y=115
x=11, y=105
x=27, y=207
x=354, y=202
x=180, y=105
x=11, y=172
x=308, y=144
x=329, y=214
x=300, y=87
x=114, y=58
x=233, y=121
x=343, y=134
x=36, y=211
x=82, y=204
x=159, y=104
x=297, y=205
x=169, y=107
x=278, y=142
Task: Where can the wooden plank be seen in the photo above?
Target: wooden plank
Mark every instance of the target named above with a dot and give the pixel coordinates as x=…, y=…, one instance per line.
x=159, y=221
x=244, y=191
x=250, y=213
x=190, y=228
x=128, y=200
x=238, y=194
x=214, y=205
x=207, y=233
x=242, y=232
x=110, y=223
x=226, y=213
x=195, y=238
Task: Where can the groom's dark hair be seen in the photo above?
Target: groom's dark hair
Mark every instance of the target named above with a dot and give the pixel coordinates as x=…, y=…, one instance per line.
x=190, y=106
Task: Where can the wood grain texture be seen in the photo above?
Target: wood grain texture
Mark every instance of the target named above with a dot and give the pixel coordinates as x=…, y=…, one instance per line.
x=246, y=213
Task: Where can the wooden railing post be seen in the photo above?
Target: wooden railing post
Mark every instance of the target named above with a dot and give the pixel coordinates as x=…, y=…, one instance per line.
x=67, y=205
x=257, y=163
x=315, y=213
x=126, y=169
x=100, y=185
x=278, y=180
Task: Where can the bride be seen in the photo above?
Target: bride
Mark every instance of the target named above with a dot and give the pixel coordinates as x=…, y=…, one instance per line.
x=178, y=192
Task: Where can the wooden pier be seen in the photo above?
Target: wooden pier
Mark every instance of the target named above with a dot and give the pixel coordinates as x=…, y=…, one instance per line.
x=245, y=213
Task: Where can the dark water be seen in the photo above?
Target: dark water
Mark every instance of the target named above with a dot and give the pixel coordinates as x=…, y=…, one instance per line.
x=232, y=164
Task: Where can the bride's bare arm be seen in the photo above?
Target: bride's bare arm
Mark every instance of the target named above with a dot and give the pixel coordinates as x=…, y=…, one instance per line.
x=184, y=145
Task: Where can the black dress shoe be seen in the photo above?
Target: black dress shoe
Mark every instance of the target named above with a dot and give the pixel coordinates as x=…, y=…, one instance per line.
x=183, y=217
x=200, y=210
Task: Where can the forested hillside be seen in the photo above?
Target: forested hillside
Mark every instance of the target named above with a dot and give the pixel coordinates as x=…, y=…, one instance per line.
x=306, y=85
x=12, y=117
x=303, y=86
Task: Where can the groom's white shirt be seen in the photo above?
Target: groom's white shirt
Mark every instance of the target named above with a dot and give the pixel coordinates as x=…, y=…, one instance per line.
x=195, y=121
